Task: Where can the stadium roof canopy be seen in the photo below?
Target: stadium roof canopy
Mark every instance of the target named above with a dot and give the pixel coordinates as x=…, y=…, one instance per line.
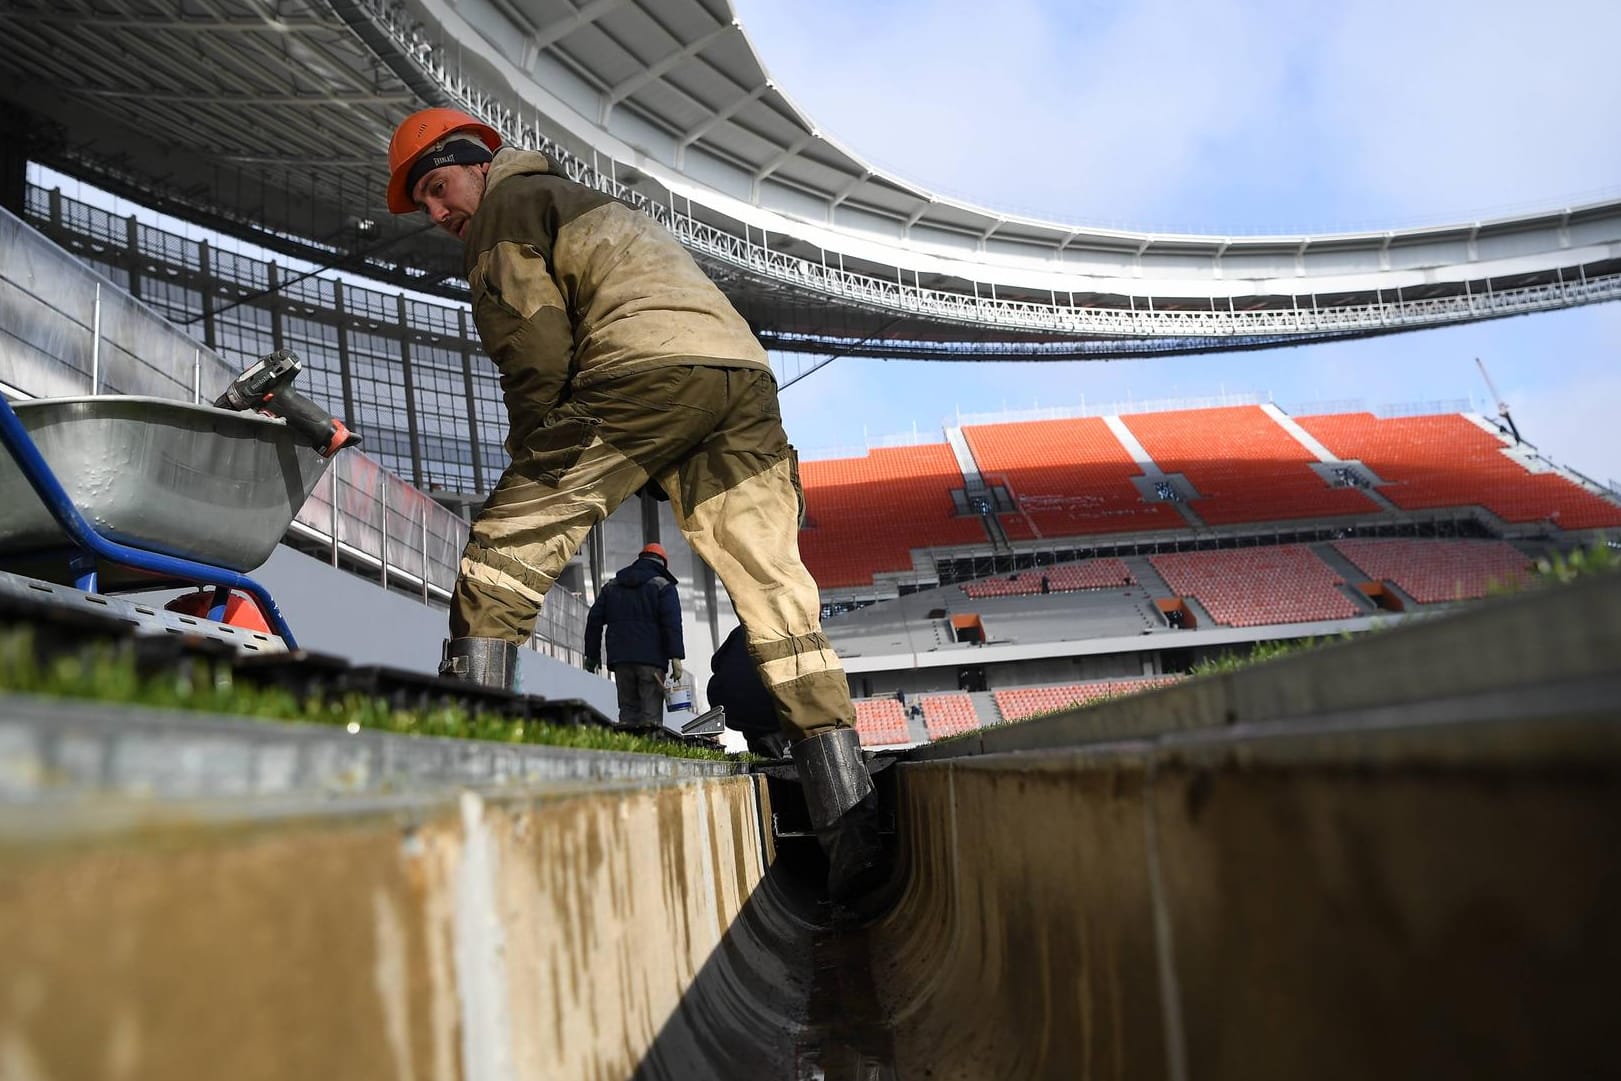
x=270, y=118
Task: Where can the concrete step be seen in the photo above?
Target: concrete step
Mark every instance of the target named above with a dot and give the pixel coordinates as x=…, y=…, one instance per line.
x=1342, y=566
x=1148, y=577
x=965, y=458
x=985, y=707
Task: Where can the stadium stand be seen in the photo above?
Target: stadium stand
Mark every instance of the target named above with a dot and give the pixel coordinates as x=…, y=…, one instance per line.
x=1434, y=571
x=1249, y=587
x=1070, y=478
x=948, y=714
x=1022, y=702
x=881, y=721
x=865, y=515
x=1103, y=573
x=1448, y=461
x=1244, y=466
x=1014, y=585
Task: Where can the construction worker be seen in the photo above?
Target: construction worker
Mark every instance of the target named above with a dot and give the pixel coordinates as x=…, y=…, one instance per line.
x=622, y=363
x=734, y=684
x=642, y=614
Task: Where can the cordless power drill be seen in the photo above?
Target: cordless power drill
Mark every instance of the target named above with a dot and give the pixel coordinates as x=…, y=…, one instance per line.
x=268, y=387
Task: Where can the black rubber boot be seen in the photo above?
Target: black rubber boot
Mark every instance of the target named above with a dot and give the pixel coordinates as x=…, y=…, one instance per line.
x=843, y=811
x=492, y=662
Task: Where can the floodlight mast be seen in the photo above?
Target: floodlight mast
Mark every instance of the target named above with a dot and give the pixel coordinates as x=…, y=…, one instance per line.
x=1502, y=406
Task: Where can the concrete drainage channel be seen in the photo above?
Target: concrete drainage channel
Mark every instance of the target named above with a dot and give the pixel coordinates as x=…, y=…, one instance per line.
x=1395, y=857
x=195, y=897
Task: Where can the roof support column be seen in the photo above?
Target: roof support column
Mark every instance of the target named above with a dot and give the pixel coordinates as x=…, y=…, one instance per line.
x=132, y=255
x=472, y=402
x=343, y=353
x=273, y=300
x=205, y=294
x=16, y=142
x=410, y=393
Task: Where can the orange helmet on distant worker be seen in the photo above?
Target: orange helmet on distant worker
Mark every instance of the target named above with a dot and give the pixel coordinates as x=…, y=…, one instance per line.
x=421, y=132
x=654, y=548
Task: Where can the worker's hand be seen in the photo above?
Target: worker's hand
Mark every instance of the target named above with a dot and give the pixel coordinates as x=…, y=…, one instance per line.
x=591, y=665
x=675, y=667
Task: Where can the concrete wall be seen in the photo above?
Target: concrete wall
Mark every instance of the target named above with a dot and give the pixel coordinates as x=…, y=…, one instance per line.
x=588, y=934
x=1133, y=916
x=1400, y=857
x=185, y=895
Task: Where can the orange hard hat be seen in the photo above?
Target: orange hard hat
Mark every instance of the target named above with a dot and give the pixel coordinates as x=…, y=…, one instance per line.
x=417, y=134
x=654, y=548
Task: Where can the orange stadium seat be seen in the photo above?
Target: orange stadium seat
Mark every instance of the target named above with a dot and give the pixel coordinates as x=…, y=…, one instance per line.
x=1249, y=587
x=1014, y=585
x=881, y=721
x=1069, y=477
x=1090, y=574
x=1447, y=460
x=1022, y=702
x=865, y=515
x=1433, y=571
x=1244, y=466
x=948, y=714
x=1104, y=573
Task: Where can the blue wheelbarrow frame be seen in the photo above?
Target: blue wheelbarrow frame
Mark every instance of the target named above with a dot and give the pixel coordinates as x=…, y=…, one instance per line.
x=90, y=545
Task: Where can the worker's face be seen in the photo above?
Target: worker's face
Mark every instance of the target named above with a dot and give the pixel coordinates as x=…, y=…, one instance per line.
x=450, y=194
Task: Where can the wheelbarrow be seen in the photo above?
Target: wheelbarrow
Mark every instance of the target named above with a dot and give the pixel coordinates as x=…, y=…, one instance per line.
x=178, y=494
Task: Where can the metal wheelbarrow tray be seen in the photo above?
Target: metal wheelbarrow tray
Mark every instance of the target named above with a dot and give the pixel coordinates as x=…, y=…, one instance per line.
x=191, y=481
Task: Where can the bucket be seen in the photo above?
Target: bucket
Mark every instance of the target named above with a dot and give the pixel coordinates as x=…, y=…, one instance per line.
x=678, y=694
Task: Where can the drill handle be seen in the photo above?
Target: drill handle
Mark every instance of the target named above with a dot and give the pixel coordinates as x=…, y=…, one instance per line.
x=326, y=433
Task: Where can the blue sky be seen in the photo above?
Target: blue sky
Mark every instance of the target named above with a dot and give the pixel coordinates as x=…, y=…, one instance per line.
x=1228, y=116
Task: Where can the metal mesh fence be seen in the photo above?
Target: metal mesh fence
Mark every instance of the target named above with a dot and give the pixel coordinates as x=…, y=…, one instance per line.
x=407, y=373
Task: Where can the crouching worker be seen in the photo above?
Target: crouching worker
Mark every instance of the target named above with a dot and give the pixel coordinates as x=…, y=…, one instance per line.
x=642, y=614
x=621, y=363
x=735, y=685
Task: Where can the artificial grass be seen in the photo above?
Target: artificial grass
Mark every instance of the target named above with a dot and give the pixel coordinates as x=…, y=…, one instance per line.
x=107, y=672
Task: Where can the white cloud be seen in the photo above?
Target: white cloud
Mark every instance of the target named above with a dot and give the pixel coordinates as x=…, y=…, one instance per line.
x=1104, y=118
x=1226, y=114
x=1473, y=105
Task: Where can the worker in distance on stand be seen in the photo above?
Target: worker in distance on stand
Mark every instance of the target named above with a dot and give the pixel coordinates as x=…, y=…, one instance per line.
x=622, y=363
x=642, y=614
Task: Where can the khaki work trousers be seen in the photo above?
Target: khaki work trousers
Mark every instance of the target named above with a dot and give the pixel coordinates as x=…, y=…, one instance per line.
x=712, y=438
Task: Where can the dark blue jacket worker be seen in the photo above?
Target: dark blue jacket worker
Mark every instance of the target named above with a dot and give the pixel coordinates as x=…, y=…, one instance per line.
x=642, y=613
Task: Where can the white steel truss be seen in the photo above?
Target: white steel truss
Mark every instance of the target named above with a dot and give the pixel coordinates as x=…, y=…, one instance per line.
x=1223, y=325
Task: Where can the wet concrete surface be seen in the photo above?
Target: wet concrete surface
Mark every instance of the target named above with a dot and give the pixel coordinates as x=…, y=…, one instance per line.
x=846, y=1036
